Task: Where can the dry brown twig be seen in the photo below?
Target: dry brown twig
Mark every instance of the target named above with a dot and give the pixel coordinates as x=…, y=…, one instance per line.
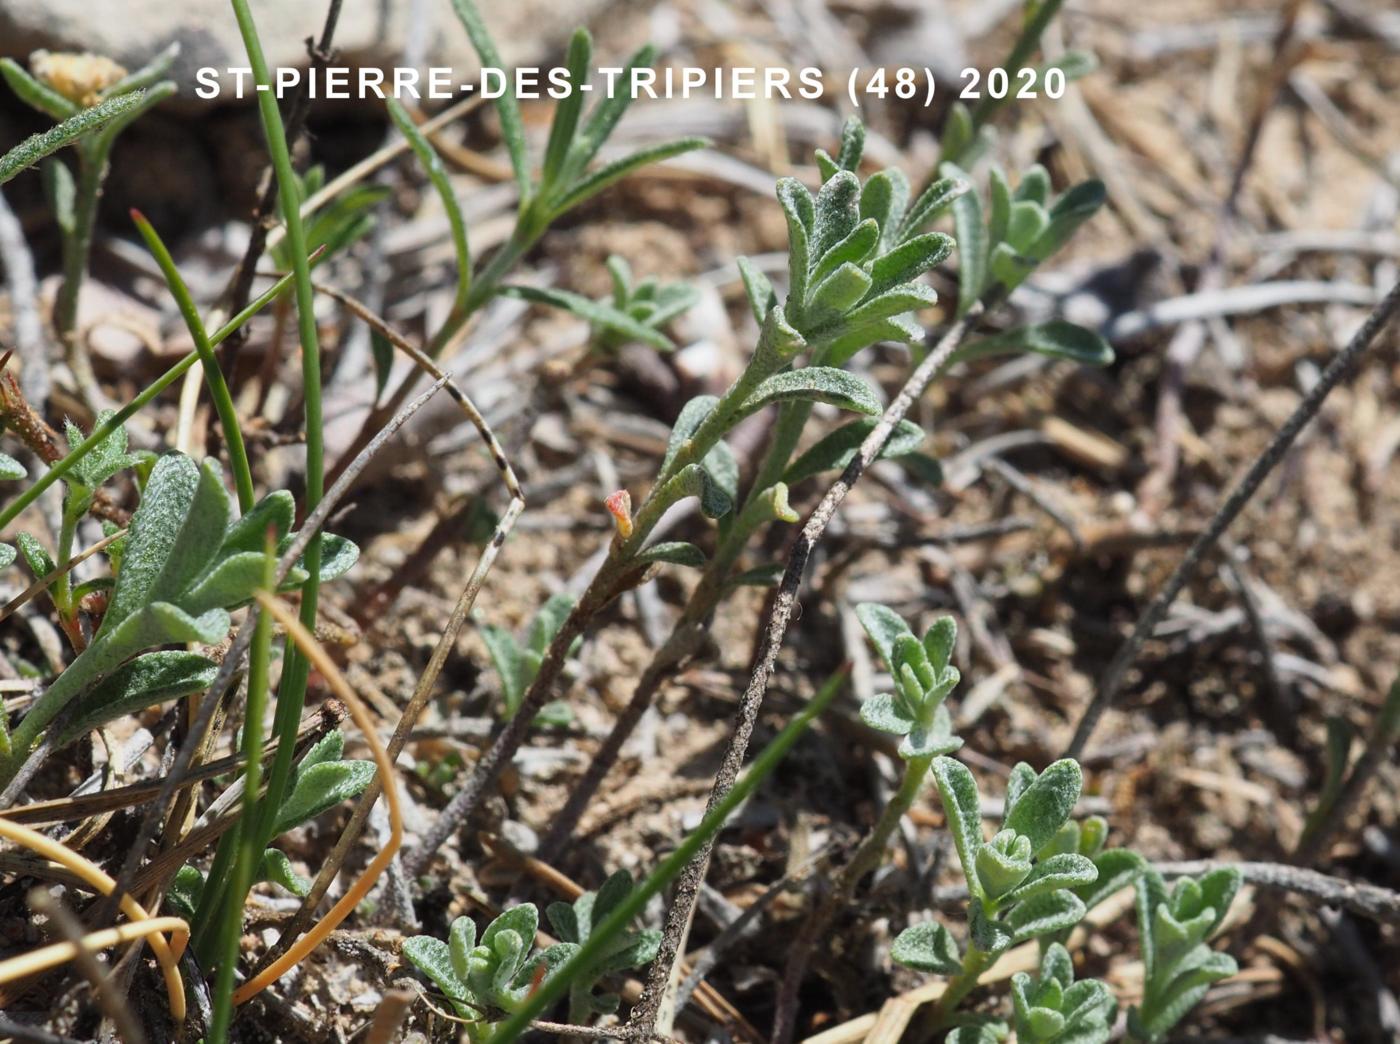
x=774, y=629
x=1337, y=370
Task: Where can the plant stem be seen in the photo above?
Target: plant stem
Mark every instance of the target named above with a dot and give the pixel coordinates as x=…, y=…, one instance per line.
x=974, y=963
x=644, y=1014
x=77, y=245
x=249, y=849
x=291, y=691
x=63, y=586
x=867, y=857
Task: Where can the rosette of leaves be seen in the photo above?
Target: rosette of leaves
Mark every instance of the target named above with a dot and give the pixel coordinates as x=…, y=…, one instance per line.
x=855, y=253
x=566, y=177
x=923, y=678
x=1051, y=1008
x=487, y=977
x=576, y=922
x=633, y=314
x=186, y=562
x=999, y=248
x=322, y=780
x=1013, y=894
x=1178, y=965
x=518, y=662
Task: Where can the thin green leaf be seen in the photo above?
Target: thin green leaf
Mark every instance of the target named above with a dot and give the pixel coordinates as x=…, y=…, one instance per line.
x=594, y=312
x=759, y=289
x=973, y=245
x=675, y=552
x=837, y=449
x=815, y=384
x=143, y=682
x=437, y=174
x=566, y=115
x=1057, y=339
x=34, y=148
x=933, y=201
x=606, y=115
x=910, y=259
x=592, y=184
x=35, y=93
x=507, y=107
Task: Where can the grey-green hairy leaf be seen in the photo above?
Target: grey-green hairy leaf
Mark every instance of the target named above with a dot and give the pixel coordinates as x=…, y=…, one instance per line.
x=927, y=947
x=834, y=451
x=152, y=678
x=1057, y=339
x=816, y=384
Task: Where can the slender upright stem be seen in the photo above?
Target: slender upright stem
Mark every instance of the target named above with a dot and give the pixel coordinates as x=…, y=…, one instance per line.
x=248, y=842
x=867, y=857
x=77, y=245
x=1342, y=364
x=291, y=691
x=645, y=1014
x=63, y=586
x=974, y=963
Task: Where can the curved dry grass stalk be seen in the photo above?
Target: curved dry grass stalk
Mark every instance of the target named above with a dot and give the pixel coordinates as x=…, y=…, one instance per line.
x=447, y=641
x=167, y=955
x=56, y=954
x=316, y=654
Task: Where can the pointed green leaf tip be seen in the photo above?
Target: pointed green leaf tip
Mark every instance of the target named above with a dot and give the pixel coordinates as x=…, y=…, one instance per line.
x=1056, y=339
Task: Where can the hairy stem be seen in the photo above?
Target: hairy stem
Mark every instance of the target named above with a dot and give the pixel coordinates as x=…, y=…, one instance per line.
x=1342, y=364
x=77, y=245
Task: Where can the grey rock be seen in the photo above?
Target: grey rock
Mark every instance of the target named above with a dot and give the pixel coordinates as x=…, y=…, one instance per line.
x=369, y=32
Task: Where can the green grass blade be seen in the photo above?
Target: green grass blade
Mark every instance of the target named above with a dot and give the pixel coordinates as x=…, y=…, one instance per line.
x=507, y=107
x=218, y=387
x=291, y=692
x=165, y=380
x=600, y=179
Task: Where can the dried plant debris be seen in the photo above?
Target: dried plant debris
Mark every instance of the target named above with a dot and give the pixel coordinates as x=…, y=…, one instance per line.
x=1012, y=473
